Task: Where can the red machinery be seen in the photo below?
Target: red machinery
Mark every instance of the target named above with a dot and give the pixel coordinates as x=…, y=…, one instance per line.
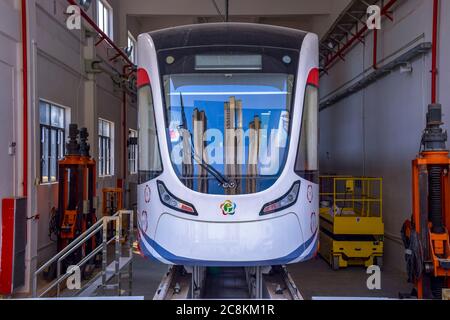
x=426, y=235
x=13, y=236
x=77, y=191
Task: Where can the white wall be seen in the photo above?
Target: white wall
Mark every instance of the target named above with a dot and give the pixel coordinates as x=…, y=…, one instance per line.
x=377, y=131
x=61, y=79
x=10, y=79
x=57, y=74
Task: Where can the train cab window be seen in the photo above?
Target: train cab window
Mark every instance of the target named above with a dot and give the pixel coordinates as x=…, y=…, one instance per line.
x=150, y=165
x=307, y=164
x=228, y=116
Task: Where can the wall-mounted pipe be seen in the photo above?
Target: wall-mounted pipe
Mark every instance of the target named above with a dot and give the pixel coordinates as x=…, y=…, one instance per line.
x=25, y=96
x=128, y=65
x=382, y=71
x=127, y=72
x=125, y=129
x=103, y=36
x=375, y=49
x=357, y=36
x=434, y=71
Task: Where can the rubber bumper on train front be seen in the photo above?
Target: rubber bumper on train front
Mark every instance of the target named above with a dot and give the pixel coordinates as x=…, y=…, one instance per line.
x=274, y=241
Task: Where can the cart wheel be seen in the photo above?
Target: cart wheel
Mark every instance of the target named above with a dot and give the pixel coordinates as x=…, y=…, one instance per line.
x=335, y=263
x=378, y=261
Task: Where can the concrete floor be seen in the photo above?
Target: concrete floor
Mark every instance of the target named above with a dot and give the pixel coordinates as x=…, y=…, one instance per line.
x=147, y=276
x=314, y=278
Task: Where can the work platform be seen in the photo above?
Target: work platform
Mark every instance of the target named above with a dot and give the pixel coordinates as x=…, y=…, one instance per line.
x=104, y=278
x=351, y=221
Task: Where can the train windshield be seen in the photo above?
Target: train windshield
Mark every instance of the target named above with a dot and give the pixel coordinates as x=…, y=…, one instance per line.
x=228, y=132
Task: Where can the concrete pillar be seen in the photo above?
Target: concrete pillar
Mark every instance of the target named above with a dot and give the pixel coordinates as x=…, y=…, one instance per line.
x=90, y=101
x=33, y=150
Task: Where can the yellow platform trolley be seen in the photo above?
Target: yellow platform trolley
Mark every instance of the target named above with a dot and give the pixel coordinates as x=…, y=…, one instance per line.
x=351, y=221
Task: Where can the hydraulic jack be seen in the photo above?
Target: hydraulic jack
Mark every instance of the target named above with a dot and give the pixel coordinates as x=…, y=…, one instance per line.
x=426, y=235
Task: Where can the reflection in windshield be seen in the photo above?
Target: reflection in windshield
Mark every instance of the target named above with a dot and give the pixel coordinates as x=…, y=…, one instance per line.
x=235, y=124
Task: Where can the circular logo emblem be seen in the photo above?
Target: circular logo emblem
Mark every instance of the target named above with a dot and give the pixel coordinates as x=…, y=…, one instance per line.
x=313, y=222
x=228, y=208
x=310, y=194
x=147, y=194
x=143, y=221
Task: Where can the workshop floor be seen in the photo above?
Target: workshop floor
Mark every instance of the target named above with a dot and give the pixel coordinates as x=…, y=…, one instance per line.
x=147, y=276
x=314, y=278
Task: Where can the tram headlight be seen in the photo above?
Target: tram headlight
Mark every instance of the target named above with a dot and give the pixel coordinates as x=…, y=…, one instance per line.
x=173, y=202
x=286, y=201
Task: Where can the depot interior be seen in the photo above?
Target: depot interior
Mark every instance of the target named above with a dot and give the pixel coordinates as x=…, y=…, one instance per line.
x=375, y=90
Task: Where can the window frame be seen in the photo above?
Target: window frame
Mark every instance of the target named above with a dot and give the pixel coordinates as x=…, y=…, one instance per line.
x=60, y=135
x=302, y=168
x=186, y=64
x=132, y=40
x=107, y=28
x=147, y=175
x=105, y=144
x=133, y=153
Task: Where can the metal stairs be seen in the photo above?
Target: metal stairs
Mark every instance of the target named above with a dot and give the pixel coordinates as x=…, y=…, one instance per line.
x=104, y=281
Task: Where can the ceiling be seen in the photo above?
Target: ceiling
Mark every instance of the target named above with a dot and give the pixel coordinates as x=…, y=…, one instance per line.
x=315, y=16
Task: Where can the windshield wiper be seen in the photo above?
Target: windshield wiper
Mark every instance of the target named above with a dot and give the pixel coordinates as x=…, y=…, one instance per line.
x=224, y=181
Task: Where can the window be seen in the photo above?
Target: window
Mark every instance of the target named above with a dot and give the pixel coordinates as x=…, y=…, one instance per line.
x=132, y=151
x=132, y=45
x=228, y=116
x=105, y=152
x=150, y=165
x=307, y=164
x=105, y=17
x=52, y=124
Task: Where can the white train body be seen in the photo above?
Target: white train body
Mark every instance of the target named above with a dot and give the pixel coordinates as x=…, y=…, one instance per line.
x=197, y=213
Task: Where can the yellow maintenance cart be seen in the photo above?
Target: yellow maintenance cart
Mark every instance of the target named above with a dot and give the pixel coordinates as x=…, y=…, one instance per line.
x=351, y=221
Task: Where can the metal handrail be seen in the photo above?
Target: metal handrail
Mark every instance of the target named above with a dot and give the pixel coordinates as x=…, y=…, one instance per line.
x=65, y=276
x=70, y=246
x=365, y=196
x=79, y=244
x=94, y=229
x=79, y=264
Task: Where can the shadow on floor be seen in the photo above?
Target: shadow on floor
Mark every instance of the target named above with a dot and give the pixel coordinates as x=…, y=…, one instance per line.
x=315, y=278
x=147, y=276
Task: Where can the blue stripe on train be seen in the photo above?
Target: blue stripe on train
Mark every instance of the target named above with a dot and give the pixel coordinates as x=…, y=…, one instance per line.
x=177, y=260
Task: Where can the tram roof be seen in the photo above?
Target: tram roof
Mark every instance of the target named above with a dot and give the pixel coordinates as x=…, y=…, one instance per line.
x=222, y=34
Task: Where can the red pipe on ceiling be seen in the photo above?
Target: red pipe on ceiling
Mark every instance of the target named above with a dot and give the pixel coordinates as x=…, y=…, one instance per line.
x=103, y=36
x=128, y=64
x=125, y=126
x=25, y=97
x=357, y=36
x=434, y=70
x=375, y=49
x=346, y=46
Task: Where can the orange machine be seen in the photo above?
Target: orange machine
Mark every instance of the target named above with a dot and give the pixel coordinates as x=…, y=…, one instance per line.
x=77, y=191
x=112, y=201
x=426, y=235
